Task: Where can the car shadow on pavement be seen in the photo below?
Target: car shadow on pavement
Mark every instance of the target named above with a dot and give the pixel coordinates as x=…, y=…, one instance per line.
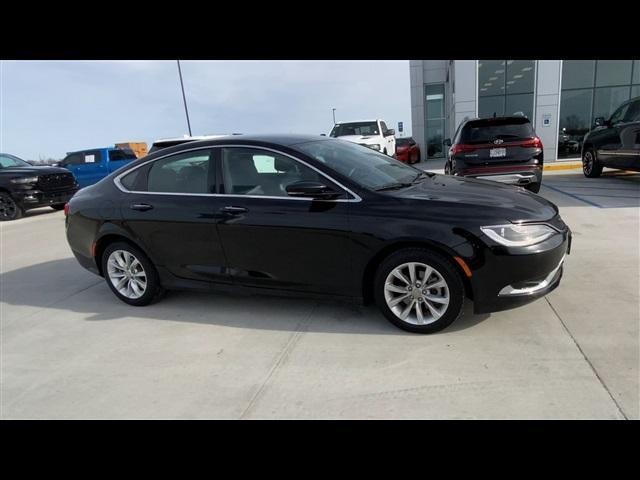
x=64, y=289
x=613, y=189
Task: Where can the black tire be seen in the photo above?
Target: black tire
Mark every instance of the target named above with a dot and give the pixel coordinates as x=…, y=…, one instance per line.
x=418, y=158
x=534, y=187
x=385, y=151
x=443, y=266
x=591, y=167
x=153, y=290
x=9, y=209
x=58, y=206
x=447, y=168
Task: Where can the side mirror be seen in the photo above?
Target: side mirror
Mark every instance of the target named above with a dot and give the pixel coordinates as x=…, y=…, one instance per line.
x=447, y=142
x=600, y=121
x=311, y=190
x=323, y=134
x=390, y=132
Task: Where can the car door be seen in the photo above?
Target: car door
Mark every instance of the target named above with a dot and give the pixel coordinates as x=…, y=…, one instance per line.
x=389, y=140
x=170, y=208
x=272, y=240
x=629, y=153
x=91, y=169
x=609, y=140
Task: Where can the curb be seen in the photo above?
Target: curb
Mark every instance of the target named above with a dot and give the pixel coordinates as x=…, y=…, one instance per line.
x=562, y=166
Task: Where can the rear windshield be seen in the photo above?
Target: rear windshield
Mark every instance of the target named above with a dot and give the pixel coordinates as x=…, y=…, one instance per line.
x=404, y=141
x=486, y=131
x=355, y=128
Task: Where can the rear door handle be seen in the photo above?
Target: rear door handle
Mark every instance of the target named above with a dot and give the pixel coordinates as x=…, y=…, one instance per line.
x=233, y=210
x=143, y=207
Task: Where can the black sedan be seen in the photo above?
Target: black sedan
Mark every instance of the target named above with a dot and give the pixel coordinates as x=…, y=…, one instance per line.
x=321, y=217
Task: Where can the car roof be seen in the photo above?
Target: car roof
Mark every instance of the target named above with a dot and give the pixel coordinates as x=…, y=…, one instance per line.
x=359, y=121
x=95, y=148
x=192, y=138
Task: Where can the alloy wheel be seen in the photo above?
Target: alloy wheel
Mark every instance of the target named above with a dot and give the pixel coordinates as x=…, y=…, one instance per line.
x=126, y=274
x=8, y=207
x=416, y=293
x=587, y=163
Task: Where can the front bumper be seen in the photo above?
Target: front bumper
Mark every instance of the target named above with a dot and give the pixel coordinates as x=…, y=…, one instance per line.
x=510, y=278
x=38, y=198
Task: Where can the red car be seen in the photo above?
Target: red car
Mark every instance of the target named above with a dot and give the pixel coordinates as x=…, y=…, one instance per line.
x=407, y=150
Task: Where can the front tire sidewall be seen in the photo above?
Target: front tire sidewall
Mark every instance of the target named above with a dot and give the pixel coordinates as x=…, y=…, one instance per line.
x=153, y=291
x=442, y=265
x=590, y=165
x=17, y=211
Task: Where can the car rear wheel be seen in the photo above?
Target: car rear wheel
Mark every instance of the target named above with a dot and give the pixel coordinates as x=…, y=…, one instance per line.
x=58, y=206
x=419, y=291
x=130, y=274
x=417, y=158
x=590, y=165
x=9, y=209
x=447, y=168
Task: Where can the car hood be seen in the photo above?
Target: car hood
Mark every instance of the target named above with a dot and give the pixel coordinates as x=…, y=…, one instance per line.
x=501, y=202
x=34, y=170
x=366, y=139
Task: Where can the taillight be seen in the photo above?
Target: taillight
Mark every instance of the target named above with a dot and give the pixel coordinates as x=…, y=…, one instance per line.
x=66, y=209
x=535, y=142
x=459, y=148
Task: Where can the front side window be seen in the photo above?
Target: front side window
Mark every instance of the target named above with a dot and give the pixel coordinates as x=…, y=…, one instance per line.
x=73, y=159
x=181, y=173
x=361, y=165
x=355, y=128
x=251, y=171
x=9, y=161
x=115, y=155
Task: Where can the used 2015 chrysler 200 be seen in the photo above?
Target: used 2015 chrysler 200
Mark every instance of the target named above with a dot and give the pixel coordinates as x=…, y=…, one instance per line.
x=317, y=216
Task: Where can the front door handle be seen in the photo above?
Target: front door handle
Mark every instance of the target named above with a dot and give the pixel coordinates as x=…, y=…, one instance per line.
x=233, y=210
x=143, y=207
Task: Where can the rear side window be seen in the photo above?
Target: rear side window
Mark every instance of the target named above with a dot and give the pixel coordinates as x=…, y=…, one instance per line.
x=488, y=131
x=130, y=181
x=181, y=173
x=73, y=159
x=633, y=112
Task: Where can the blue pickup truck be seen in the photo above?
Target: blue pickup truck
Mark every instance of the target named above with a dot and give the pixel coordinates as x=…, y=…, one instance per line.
x=91, y=166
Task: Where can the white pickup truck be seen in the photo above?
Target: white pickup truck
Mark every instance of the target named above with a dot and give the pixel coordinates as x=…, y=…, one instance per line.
x=370, y=133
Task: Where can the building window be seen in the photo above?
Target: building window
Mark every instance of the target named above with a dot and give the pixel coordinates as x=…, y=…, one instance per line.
x=435, y=118
x=505, y=87
x=592, y=89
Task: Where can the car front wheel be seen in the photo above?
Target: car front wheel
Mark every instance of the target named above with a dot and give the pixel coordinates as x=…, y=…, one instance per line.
x=590, y=165
x=9, y=209
x=419, y=291
x=130, y=274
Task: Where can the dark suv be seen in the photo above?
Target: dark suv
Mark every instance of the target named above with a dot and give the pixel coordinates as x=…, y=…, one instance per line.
x=614, y=143
x=24, y=186
x=502, y=149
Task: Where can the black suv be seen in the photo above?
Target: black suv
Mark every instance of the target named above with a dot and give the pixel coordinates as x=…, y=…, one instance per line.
x=24, y=186
x=502, y=149
x=614, y=143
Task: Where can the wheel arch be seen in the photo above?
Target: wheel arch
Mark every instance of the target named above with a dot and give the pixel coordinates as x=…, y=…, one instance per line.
x=109, y=237
x=368, y=276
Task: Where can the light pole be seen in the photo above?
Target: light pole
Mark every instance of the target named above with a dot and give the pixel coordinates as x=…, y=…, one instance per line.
x=334, y=115
x=184, y=98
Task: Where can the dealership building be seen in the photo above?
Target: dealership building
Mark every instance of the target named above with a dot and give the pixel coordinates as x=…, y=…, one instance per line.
x=562, y=98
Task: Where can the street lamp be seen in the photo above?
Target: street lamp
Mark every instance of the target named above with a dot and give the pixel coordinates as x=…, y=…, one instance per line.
x=184, y=99
x=334, y=115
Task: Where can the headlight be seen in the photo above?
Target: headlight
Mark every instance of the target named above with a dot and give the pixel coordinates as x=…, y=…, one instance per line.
x=518, y=235
x=375, y=146
x=24, y=180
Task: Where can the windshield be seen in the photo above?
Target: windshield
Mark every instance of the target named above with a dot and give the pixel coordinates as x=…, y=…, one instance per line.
x=361, y=165
x=483, y=131
x=9, y=161
x=355, y=128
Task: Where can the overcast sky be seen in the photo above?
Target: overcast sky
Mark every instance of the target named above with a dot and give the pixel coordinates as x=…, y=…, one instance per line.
x=51, y=107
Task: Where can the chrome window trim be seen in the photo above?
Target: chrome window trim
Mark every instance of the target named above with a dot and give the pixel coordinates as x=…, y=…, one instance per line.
x=356, y=198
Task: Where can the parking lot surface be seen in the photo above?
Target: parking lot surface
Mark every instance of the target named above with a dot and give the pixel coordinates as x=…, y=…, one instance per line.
x=70, y=349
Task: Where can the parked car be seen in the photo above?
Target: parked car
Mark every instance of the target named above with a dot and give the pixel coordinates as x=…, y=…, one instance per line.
x=502, y=149
x=90, y=166
x=407, y=150
x=370, y=133
x=311, y=215
x=614, y=143
x=172, y=142
x=24, y=186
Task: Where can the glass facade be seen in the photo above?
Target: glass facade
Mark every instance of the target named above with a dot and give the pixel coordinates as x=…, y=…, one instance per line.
x=592, y=89
x=435, y=118
x=505, y=87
